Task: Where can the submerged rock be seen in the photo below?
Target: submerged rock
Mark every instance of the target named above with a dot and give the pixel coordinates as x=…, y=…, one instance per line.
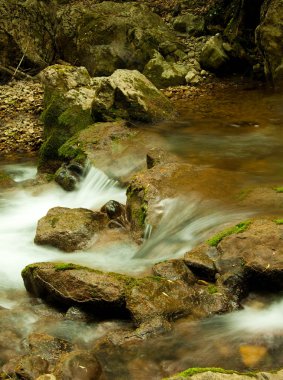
x=79, y=364
x=69, y=229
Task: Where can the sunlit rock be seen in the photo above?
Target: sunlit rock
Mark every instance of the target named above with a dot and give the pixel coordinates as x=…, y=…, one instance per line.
x=244, y=257
x=104, y=294
x=69, y=229
x=128, y=94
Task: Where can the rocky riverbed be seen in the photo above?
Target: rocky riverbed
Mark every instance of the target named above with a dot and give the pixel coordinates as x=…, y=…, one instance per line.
x=145, y=275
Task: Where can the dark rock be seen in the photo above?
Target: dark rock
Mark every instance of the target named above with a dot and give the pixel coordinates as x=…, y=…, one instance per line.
x=189, y=23
x=213, y=55
x=200, y=262
x=69, y=229
x=66, y=179
x=113, y=209
x=174, y=270
x=269, y=38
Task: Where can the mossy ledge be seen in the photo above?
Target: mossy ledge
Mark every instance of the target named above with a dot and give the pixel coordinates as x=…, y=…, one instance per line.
x=193, y=371
x=240, y=227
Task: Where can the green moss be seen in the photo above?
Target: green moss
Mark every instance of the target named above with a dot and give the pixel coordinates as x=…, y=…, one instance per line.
x=71, y=149
x=212, y=289
x=193, y=371
x=67, y=266
x=240, y=227
x=278, y=221
x=278, y=189
x=29, y=268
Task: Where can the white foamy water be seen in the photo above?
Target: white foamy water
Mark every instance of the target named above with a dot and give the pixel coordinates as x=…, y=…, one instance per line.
x=184, y=223
x=21, y=209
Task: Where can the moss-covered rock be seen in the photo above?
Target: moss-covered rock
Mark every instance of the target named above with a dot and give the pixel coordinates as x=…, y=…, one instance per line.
x=164, y=74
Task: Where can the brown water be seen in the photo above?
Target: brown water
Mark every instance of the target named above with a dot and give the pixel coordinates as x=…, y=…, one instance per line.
x=239, y=132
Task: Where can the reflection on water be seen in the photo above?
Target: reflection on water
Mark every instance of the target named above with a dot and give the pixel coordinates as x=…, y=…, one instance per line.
x=241, y=131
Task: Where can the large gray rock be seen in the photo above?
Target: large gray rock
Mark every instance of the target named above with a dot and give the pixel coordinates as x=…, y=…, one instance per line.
x=269, y=36
x=128, y=94
x=69, y=229
x=110, y=35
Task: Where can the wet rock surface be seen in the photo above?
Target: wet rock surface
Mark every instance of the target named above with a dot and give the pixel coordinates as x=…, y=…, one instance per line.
x=69, y=229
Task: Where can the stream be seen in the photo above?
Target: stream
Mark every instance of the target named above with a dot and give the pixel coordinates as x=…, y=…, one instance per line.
x=240, y=132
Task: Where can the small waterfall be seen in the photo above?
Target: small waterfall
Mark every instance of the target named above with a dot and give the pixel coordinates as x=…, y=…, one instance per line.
x=183, y=224
x=21, y=210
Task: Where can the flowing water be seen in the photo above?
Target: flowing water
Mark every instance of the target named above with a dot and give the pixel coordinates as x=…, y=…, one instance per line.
x=242, y=134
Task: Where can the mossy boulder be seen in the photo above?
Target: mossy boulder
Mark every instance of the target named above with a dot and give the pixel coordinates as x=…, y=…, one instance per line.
x=69, y=229
x=213, y=55
x=165, y=74
x=128, y=94
x=68, y=96
x=73, y=101
x=107, y=294
x=110, y=35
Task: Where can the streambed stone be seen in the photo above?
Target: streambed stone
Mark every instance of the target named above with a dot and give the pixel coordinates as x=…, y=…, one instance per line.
x=69, y=229
x=107, y=294
x=251, y=259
